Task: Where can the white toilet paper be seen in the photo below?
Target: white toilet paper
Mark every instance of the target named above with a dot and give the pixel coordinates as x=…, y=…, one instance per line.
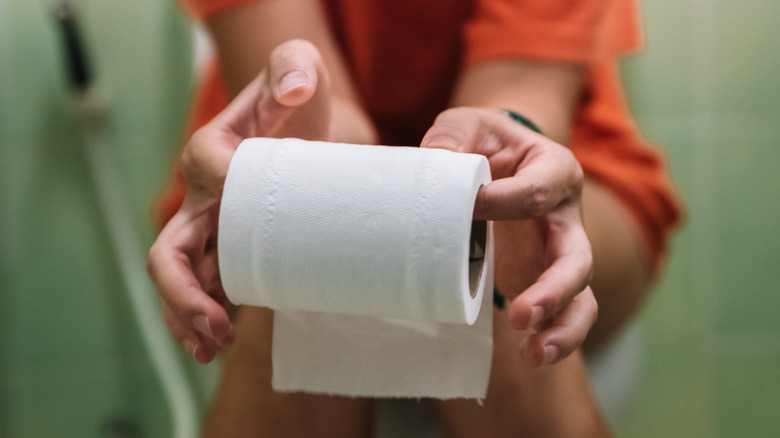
x=364, y=252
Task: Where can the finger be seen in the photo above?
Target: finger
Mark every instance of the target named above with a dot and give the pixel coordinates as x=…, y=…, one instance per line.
x=170, y=268
x=207, y=273
x=190, y=305
x=456, y=129
x=566, y=334
x=291, y=78
x=569, y=273
x=532, y=174
x=546, y=174
x=302, y=99
x=293, y=72
x=195, y=344
x=479, y=131
x=234, y=115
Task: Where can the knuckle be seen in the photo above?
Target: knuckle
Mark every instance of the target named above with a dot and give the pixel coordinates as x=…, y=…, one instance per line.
x=538, y=199
x=590, y=307
x=152, y=258
x=594, y=305
x=584, y=266
x=187, y=158
x=576, y=176
x=588, y=267
x=200, y=136
x=184, y=306
x=595, y=308
x=585, y=258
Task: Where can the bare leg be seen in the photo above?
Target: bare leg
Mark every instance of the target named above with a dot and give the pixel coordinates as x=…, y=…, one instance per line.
x=621, y=264
x=245, y=405
x=550, y=401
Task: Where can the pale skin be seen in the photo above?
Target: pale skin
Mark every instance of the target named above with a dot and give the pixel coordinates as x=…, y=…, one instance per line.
x=544, y=260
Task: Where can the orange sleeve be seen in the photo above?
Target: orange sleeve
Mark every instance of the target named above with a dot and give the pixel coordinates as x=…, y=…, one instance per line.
x=563, y=30
x=204, y=8
x=612, y=152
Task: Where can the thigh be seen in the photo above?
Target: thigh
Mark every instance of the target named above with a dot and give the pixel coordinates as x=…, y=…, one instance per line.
x=245, y=405
x=549, y=401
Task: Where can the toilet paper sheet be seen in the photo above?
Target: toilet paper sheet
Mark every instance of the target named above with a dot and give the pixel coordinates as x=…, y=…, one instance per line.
x=369, y=256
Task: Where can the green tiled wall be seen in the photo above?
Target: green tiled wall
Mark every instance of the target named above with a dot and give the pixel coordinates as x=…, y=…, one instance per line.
x=705, y=89
x=71, y=360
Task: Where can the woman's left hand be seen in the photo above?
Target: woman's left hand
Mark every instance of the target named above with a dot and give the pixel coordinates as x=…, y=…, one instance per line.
x=535, y=179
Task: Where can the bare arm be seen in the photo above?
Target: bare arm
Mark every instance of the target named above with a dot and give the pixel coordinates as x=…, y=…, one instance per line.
x=544, y=92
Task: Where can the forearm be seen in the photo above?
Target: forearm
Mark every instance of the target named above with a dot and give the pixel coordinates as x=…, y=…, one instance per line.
x=546, y=93
x=246, y=35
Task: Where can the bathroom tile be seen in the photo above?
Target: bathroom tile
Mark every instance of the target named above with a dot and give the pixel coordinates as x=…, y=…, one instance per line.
x=658, y=78
x=672, y=134
x=747, y=217
x=78, y=394
x=35, y=71
x=70, y=354
x=747, y=57
x=62, y=268
x=146, y=104
x=72, y=395
x=746, y=393
x=671, y=298
x=144, y=162
x=667, y=307
x=672, y=400
x=149, y=406
x=6, y=419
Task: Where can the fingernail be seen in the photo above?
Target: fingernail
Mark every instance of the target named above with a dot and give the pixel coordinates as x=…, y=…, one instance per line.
x=537, y=315
x=292, y=80
x=191, y=346
x=551, y=353
x=201, y=323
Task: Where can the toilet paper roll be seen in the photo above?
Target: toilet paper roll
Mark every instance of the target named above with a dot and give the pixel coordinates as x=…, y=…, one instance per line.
x=365, y=230
x=367, y=252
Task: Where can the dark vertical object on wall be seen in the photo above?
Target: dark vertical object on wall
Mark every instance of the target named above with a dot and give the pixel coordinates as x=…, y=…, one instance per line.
x=79, y=71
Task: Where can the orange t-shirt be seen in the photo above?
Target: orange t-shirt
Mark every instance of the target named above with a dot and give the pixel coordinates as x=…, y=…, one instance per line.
x=404, y=56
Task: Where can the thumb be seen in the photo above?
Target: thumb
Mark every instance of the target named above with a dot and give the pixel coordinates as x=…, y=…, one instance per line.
x=294, y=71
x=289, y=80
x=454, y=129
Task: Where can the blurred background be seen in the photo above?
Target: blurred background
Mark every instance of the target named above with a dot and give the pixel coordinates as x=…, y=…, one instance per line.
x=73, y=362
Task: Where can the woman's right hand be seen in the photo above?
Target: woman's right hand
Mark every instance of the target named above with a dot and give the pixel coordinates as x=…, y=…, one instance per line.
x=291, y=97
